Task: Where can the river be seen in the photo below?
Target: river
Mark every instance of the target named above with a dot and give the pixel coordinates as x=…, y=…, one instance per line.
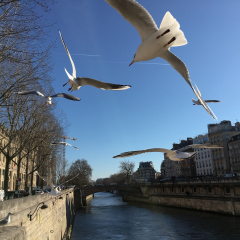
x=107, y=217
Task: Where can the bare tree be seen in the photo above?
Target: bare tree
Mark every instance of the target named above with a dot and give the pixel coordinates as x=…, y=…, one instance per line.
x=22, y=33
x=84, y=170
x=127, y=168
x=118, y=178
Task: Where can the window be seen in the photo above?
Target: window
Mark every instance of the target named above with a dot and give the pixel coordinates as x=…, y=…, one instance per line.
x=227, y=137
x=215, y=139
x=218, y=138
x=194, y=189
x=203, y=164
x=209, y=190
x=205, y=154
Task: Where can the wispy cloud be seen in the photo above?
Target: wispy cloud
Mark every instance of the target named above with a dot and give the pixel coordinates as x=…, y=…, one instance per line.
x=88, y=55
x=95, y=55
x=83, y=54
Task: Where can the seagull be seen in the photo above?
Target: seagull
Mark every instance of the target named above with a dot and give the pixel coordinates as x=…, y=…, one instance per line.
x=6, y=220
x=64, y=143
x=204, y=103
x=155, y=42
x=174, y=155
x=49, y=98
x=209, y=101
x=76, y=82
x=54, y=189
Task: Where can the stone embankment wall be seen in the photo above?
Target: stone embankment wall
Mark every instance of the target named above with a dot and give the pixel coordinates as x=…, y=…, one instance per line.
x=30, y=219
x=213, y=196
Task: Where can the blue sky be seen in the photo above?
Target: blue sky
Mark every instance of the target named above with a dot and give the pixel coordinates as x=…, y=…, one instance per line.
x=157, y=110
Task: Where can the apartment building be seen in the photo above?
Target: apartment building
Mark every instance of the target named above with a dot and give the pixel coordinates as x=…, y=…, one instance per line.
x=221, y=134
x=234, y=153
x=203, y=158
x=146, y=171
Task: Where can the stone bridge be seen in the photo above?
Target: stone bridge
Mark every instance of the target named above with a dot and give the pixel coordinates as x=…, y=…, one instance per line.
x=123, y=189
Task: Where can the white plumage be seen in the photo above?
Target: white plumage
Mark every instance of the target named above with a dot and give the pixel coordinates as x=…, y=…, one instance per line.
x=76, y=82
x=63, y=143
x=203, y=103
x=54, y=189
x=49, y=98
x=174, y=155
x=6, y=220
x=155, y=42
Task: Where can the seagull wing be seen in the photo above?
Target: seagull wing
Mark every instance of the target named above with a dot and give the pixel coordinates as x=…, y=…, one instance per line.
x=68, y=180
x=101, y=85
x=205, y=146
x=133, y=153
x=46, y=180
x=203, y=103
x=31, y=92
x=71, y=146
x=137, y=15
x=184, y=154
x=178, y=65
x=76, y=148
x=73, y=66
x=67, y=96
x=212, y=101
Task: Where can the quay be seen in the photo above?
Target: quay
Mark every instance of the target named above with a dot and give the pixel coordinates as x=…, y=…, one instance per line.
x=43, y=217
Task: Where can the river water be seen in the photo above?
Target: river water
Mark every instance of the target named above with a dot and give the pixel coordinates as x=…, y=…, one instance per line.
x=107, y=217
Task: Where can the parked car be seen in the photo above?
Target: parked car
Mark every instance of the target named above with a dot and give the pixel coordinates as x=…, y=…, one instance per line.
x=39, y=192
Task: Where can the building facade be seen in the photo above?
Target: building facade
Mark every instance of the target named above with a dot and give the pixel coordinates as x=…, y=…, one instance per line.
x=234, y=153
x=146, y=172
x=12, y=177
x=221, y=134
x=203, y=158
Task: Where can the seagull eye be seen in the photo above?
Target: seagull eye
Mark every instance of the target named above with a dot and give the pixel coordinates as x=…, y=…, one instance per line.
x=134, y=55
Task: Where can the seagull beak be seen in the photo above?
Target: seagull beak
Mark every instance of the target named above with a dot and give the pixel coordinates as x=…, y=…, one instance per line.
x=131, y=63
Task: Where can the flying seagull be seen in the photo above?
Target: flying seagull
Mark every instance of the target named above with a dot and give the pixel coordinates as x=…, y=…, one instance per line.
x=204, y=103
x=6, y=220
x=63, y=143
x=76, y=82
x=174, y=155
x=207, y=101
x=49, y=98
x=54, y=189
x=155, y=42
